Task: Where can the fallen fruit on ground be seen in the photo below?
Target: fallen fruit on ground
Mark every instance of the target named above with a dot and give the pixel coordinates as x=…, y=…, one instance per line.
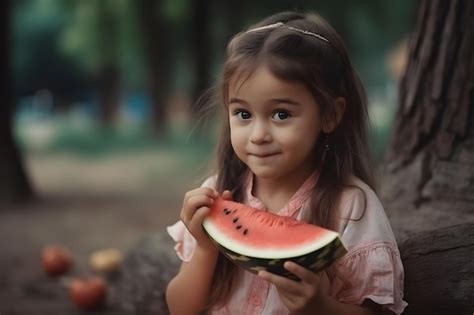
x=259, y=240
x=106, y=260
x=56, y=259
x=88, y=292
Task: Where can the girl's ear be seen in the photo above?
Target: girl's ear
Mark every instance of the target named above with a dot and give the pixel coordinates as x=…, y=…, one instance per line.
x=340, y=106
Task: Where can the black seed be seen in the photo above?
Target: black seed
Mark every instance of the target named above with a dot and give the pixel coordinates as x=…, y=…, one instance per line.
x=225, y=210
x=238, y=227
x=246, y=231
x=235, y=220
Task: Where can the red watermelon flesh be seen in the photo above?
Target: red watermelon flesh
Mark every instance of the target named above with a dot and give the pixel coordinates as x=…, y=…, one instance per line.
x=258, y=239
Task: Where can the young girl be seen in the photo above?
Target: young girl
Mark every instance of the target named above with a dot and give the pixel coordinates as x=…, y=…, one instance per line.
x=294, y=143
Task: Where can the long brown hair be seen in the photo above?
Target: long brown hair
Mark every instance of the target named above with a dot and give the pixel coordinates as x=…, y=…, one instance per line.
x=325, y=69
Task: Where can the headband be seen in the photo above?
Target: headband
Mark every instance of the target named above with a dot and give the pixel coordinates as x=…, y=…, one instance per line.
x=281, y=24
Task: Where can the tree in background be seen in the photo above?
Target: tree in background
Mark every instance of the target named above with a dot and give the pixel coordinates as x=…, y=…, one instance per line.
x=108, y=76
x=429, y=174
x=432, y=147
x=200, y=40
x=38, y=62
x=90, y=39
x=156, y=40
x=14, y=184
x=212, y=24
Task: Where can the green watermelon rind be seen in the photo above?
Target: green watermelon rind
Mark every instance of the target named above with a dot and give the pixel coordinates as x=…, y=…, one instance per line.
x=316, y=250
x=315, y=261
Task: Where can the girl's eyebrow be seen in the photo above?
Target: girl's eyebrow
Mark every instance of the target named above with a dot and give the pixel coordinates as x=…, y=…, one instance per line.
x=284, y=100
x=273, y=101
x=237, y=100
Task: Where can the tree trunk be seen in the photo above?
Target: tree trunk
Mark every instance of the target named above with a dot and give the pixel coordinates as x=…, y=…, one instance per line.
x=201, y=43
x=14, y=184
x=430, y=161
x=108, y=80
x=428, y=184
x=156, y=37
x=429, y=258
x=203, y=22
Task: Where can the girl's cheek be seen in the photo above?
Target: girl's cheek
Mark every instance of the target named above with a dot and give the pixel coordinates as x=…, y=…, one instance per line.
x=237, y=130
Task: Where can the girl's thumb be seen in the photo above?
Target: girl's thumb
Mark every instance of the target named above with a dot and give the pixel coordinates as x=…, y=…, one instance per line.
x=227, y=195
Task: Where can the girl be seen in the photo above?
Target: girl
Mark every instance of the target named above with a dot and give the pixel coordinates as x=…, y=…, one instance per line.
x=294, y=143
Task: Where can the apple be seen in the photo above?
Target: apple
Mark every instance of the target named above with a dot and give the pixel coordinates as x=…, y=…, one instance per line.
x=56, y=259
x=88, y=292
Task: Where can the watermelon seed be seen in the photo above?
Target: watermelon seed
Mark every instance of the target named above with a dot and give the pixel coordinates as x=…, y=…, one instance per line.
x=235, y=220
x=246, y=231
x=238, y=227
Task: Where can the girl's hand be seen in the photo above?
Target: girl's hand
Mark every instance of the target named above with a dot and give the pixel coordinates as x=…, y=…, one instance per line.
x=196, y=206
x=299, y=297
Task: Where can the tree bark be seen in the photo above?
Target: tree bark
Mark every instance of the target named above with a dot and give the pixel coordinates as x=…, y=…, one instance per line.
x=430, y=285
x=14, y=184
x=156, y=37
x=201, y=43
x=430, y=161
x=428, y=183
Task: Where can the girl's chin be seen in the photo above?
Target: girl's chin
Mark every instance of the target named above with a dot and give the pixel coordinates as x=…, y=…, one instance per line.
x=266, y=173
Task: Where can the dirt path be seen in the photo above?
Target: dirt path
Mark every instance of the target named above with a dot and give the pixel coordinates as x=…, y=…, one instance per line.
x=85, y=205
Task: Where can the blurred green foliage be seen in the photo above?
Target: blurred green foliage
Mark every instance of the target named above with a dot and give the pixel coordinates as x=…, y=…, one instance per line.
x=67, y=33
x=61, y=46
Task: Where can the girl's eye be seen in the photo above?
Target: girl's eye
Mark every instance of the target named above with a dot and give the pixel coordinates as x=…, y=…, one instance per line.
x=242, y=114
x=281, y=115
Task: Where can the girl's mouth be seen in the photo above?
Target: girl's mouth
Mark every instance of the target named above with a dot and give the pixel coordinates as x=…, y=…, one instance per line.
x=263, y=155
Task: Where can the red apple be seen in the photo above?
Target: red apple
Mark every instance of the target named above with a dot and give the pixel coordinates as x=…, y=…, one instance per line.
x=88, y=292
x=56, y=259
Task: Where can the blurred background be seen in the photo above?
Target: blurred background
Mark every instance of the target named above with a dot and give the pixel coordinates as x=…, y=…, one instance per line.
x=103, y=117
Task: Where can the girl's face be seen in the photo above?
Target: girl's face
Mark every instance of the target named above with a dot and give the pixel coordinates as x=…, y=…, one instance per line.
x=274, y=126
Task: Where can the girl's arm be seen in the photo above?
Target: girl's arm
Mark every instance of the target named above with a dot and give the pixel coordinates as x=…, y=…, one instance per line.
x=188, y=292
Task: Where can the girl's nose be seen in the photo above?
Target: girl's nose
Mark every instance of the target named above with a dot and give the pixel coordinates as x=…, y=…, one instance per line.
x=260, y=133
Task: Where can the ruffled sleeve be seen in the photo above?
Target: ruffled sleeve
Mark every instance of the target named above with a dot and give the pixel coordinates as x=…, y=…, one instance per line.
x=185, y=242
x=372, y=272
x=372, y=268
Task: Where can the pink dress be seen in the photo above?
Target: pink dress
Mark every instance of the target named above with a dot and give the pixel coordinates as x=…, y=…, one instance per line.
x=371, y=269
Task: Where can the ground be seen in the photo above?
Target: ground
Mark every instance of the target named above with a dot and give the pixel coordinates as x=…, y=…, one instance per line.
x=85, y=204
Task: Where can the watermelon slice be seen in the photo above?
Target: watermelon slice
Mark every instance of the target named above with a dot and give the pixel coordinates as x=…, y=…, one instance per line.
x=259, y=240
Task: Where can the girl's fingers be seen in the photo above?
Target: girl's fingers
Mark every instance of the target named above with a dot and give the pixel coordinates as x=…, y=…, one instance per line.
x=193, y=203
x=212, y=193
x=227, y=195
x=308, y=279
x=199, y=201
x=306, y=276
x=281, y=283
x=200, y=215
